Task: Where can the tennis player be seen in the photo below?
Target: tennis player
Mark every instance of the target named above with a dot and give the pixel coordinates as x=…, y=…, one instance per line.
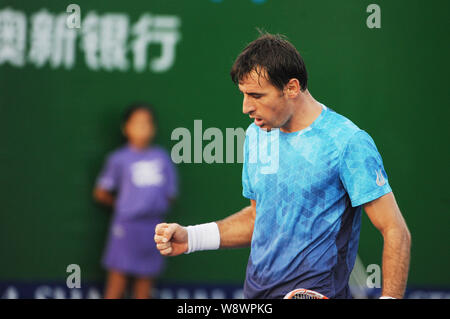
x=303, y=221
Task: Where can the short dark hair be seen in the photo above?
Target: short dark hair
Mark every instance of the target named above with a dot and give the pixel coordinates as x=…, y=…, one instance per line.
x=136, y=106
x=274, y=54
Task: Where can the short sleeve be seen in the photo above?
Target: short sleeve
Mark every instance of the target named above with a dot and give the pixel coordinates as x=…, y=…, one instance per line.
x=171, y=178
x=108, y=178
x=361, y=170
x=247, y=190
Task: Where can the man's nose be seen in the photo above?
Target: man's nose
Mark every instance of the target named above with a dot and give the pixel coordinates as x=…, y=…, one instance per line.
x=247, y=106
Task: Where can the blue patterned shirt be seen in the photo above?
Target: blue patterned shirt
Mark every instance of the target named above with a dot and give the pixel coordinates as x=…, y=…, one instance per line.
x=309, y=187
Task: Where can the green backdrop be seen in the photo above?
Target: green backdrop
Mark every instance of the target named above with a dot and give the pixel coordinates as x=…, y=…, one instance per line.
x=57, y=124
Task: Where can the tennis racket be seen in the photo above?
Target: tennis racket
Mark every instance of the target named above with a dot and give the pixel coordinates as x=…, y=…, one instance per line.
x=304, y=294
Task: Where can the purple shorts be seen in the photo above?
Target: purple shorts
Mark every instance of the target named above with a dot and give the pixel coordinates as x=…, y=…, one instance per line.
x=131, y=249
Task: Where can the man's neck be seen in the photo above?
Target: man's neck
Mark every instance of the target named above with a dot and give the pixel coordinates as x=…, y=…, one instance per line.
x=306, y=111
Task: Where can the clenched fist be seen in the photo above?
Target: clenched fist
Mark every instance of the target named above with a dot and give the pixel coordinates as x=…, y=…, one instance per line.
x=171, y=239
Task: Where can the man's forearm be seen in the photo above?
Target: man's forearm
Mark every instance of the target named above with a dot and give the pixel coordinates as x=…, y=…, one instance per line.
x=396, y=256
x=237, y=230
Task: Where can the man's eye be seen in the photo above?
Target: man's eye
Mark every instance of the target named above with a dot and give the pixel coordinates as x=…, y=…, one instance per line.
x=256, y=96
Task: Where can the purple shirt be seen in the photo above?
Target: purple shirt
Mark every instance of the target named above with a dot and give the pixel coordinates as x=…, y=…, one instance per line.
x=144, y=180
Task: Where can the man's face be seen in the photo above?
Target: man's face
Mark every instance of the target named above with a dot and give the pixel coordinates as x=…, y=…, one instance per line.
x=263, y=102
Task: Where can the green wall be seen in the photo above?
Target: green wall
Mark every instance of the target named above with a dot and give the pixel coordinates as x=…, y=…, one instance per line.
x=57, y=124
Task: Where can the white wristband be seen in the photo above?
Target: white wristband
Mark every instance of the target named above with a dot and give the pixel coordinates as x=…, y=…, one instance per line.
x=203, y=237
x=387, y=297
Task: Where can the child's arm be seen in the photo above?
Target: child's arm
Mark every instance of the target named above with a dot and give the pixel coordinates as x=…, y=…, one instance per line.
x=103, y=196
x=107, y=182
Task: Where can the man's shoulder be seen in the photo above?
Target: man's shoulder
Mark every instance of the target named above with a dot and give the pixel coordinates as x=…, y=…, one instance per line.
x=340, y=128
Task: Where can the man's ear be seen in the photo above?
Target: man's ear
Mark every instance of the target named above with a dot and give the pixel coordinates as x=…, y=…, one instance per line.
x=292, y=88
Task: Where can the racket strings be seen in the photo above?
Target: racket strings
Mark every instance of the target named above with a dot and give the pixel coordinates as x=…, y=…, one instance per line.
x=304, y=296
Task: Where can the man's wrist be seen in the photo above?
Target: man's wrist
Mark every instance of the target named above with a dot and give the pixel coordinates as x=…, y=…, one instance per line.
x=203, y=237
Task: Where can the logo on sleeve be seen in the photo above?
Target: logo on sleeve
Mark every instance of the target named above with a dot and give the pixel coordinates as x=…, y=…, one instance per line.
x=380, y=178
